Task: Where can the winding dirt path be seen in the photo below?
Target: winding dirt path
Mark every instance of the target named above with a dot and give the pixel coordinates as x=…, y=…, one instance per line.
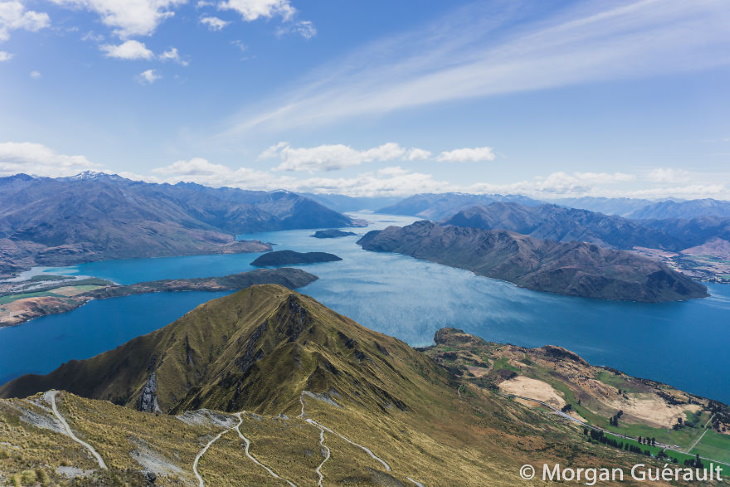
x=323, y=428
x=201, y=482
x=327, y=454
x=50, y=396
x=251, y=457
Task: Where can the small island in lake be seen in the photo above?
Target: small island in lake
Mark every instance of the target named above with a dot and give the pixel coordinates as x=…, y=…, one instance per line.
x=290, y=257
x=332, y=233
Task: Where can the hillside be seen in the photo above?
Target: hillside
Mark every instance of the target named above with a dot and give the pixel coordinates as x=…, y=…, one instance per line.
x=552, y=222
x=439, y=206
x=575, y=269
x=295, y=394
x=592, y=395
x=65, y=221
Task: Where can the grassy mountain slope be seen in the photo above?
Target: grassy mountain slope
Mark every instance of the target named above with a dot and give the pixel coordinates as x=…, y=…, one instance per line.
x=575, y=269
x=256, y=349
x=310, y=381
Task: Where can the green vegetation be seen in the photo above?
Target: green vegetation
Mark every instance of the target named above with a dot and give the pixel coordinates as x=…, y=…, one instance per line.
x=14, y=297
x=615, y=380
x=503, y=364
x=48, y=277
x=714, y=445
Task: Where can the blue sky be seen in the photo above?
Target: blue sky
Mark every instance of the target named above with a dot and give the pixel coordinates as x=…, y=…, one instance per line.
x=544, y=97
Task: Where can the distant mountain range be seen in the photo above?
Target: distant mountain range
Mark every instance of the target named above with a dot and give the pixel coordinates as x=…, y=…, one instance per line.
x=608, y=206
x=269, y=387
x=343, y=203
x=64, y=221
x=552, y=222
x=563, y=224
x=576, y=269
x=686, y=210
x=438, y=206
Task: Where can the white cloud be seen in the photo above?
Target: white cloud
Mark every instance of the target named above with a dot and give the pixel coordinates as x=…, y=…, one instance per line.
x=35, y=75
x=214, y=23
x=130, y=50
x=148, y=77
x=336, y=156
x=128, y=17
x=416, y=154
x=5, y=56
x=39, y=160
x=668, y=175
x=393, y=181
x=470, y=55
x=476, y=154
x=14, y=16
x=397, y=181
x=197, y=166
x=252, y=10
x=304, y=28
x=172, y=54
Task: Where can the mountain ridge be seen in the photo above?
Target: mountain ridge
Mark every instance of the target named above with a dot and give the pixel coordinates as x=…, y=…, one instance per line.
x=66, y=221
x=575, y=269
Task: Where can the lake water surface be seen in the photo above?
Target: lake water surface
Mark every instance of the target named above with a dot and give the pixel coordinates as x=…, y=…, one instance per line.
x=683, y=344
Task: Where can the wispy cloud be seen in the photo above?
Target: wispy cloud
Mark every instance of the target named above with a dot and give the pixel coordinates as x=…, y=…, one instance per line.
x=331, y=157
x=481, y=50
x=148, y=77
x=214, y=23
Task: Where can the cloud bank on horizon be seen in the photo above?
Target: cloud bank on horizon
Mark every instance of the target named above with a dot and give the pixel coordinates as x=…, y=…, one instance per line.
x=39, y=160
x=303, y=132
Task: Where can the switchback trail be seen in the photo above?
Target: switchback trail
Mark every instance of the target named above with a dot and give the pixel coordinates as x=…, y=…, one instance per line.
x=326, y=457
x=50, y=396
x=251, y=457
x=322, y=428
x=201, y=482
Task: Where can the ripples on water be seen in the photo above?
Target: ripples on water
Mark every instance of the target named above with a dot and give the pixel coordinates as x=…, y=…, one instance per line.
x=684, y=344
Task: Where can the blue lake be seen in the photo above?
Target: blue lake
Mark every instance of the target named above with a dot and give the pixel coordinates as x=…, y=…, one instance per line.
x=683, y=344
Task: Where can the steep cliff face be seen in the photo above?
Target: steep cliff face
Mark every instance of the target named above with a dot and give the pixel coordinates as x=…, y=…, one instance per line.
x=575, y=269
